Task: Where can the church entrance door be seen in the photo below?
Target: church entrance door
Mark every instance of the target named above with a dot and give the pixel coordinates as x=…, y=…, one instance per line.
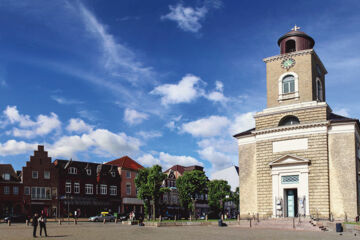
x=291, y=202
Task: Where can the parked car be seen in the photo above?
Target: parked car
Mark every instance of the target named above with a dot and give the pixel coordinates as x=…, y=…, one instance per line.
x=100, y=218
x=15, y=218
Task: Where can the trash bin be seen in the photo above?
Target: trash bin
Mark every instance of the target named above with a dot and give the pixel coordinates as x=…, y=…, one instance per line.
x=339, y=227
x=220, y=223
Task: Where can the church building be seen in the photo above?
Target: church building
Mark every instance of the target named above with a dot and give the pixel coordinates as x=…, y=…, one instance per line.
x=301, y=158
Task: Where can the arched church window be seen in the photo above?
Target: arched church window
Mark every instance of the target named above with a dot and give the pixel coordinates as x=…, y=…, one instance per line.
x=289, y=120
x=319, y=90
x=290, y=46
x=288, y=84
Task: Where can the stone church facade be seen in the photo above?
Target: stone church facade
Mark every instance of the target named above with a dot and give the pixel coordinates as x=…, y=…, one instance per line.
x=301, y=158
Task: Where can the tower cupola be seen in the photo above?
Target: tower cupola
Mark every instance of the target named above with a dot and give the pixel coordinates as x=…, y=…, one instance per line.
x=295, y=40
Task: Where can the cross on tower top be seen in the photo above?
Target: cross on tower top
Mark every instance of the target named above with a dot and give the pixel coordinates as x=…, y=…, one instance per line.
x=295, y=28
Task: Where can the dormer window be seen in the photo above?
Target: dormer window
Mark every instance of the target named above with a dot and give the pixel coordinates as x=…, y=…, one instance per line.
x=88, y=171
x=72, y=170
x=6, y=176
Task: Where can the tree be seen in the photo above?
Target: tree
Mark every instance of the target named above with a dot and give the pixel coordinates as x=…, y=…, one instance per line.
x=219, y=191
x=191, y=185
x=148, y=182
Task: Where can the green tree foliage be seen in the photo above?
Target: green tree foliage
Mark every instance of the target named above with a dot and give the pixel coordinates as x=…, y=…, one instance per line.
x=148, y=183
x=219, y=191
x=190, y=185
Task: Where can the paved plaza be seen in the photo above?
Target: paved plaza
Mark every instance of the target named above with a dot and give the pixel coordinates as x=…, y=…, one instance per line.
x=110, y=231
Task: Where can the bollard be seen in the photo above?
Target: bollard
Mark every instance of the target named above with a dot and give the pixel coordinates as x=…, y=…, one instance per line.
x=27, y=222
x=222, y=217
x=115, y=220
x=160, y=218
x=238, y=217
x=104, y=221
x=59, y=221
x=190, y=218
x=175, y=218
x=250, y=222
x=294, y=222
x=206, y=217
x=9, y=222
x=75, y=221
x=257, y=217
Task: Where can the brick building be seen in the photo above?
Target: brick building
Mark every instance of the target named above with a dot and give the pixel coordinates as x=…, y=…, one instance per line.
x=128, y=168
x=88, y=188
x=40, y=180
x=300, y=159
x=11, y=191
x=170, y=200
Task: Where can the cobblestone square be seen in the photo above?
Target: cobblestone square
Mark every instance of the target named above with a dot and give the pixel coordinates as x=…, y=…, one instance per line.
x=109, y=231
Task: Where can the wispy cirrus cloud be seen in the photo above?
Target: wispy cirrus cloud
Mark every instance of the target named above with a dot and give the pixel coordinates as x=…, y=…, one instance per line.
x=67, y=101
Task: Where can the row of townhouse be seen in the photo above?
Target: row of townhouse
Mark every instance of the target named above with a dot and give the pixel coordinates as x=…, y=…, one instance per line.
x=61, y=187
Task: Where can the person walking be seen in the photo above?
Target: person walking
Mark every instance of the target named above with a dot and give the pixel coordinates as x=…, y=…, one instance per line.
x=42, y=221
x=35, y=224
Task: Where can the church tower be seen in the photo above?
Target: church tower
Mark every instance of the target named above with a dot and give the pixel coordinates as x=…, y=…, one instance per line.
x=300, y=159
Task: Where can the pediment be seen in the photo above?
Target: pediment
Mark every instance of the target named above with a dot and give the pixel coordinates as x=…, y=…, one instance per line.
x=289, y=160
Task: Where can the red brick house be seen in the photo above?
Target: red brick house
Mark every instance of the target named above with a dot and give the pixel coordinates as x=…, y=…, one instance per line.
x=88, y=188
x=39, y=178
x=11, y=191
x=128, y=169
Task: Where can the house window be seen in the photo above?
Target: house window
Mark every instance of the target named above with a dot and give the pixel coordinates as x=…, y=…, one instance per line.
x=46, y=174
x=88, y=171
x=113, y=190
x=288, y=84
x=128, y=174
x=290, y=46
x=73, y=170
x=128, y=189
x=113, y=174
x=103, y=189
x=290, y=179
x=68, y=187
x=35, y=174
x=15, y=190
x=6, y=190
x=319, y=90
x=76, y=187
x=42, y=193
x=6, y=176
x=27, y=191
x=89, y=189
x=289, y=120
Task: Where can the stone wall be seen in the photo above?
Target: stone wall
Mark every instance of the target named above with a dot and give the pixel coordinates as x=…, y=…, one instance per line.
x=247, y=179
x=311, y=115
x=342, y=165
x=317, y=153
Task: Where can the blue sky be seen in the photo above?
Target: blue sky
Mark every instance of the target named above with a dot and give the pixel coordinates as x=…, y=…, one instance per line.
x=166, y=82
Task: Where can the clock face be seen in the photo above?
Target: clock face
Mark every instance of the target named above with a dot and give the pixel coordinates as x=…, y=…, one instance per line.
x=288, y=63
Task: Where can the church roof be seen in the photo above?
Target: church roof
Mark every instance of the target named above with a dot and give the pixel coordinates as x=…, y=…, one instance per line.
x=296, y=34
x=338, y=118
x=247, y=132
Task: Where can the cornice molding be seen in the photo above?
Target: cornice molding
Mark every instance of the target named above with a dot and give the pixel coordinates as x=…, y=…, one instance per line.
x=288, y=55
x=290, y=127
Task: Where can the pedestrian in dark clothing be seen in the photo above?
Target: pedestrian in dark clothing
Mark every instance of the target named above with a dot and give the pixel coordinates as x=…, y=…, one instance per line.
x=42, y=221
x=35, y=223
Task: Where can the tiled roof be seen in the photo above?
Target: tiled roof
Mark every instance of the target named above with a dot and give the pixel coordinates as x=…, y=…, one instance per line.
x=125, y=162
x=7, y=168
x=177, y=168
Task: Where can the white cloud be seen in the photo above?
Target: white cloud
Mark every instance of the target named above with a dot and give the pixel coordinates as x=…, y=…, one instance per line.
x=78, y=125
x=187, y=18
x=134, y=117
x=217, y=95
x=242, y=122
x=172, y=125
x=62, y=100
x=218, y=160
x=120, y=60
x=148, y=160
x=207, y=127
x=184, y=92
x=149, y=134
x=101, y=142
x=13, y=147
x=29, y=128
